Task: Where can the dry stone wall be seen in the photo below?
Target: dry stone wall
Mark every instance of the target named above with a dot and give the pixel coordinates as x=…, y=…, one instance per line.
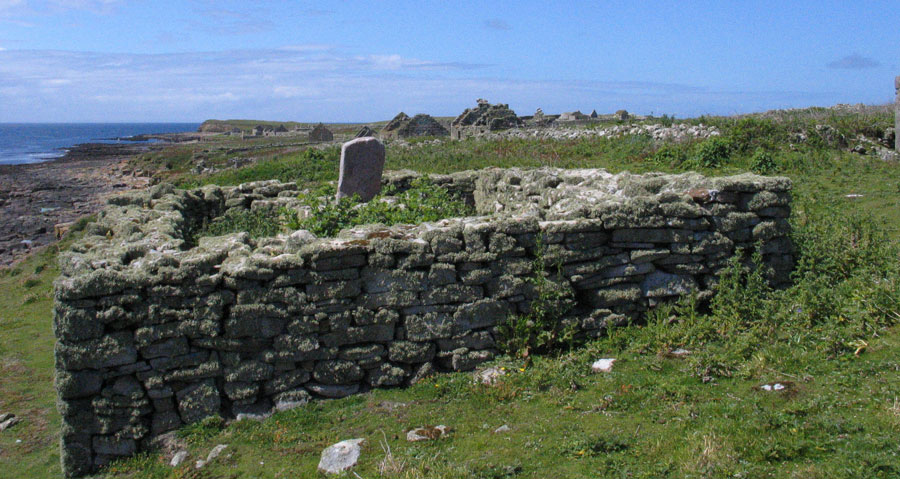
x=154, y=332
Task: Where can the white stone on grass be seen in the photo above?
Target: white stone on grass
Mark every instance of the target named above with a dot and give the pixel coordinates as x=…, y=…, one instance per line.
x=178, y=458
x=427, y=433
x=212, y=455
x=489, y=376
x=8, y=423
x=341, y=456
x=604, y=365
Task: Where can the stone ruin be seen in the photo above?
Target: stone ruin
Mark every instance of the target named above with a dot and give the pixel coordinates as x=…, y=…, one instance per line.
x=321, y=134
x=154, y=331
x=364, y=132
x=402, y=126
x=484, y=118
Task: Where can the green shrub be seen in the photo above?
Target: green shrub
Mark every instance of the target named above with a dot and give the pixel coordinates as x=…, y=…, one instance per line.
x=670, y=156
x=541, y=330
x=762, y=162
x=752, y=132
x=258, y=223
x=713, y=152
x=423, y=201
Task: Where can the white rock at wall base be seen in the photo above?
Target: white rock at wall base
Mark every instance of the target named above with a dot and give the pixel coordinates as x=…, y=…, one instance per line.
x=604, y=365
x=212, y=455
x=178, y=458
x=341, y=456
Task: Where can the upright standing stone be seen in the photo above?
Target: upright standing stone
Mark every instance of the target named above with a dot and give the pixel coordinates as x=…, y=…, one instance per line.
x=897, y=114
x=362, y=162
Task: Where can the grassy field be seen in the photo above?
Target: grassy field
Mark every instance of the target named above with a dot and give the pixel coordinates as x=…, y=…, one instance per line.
x=831, y=340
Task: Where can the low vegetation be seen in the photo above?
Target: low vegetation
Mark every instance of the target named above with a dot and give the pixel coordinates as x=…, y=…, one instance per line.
x=692, y=391
x=422, y=202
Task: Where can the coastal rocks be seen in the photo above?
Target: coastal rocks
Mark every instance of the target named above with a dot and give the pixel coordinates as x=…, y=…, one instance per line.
x=362, y=163
x=40, y=201
x=341, y=456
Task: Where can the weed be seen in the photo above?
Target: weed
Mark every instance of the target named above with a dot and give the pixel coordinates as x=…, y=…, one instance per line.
x=541, y=330
x=423, y=201
x=762, y=162
x=713, y=152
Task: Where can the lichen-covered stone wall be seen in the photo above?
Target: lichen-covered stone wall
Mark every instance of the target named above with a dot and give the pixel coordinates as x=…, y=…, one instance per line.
x=154, y=332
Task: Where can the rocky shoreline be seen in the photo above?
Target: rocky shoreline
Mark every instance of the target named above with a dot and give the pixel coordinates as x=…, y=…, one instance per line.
x=38, y=201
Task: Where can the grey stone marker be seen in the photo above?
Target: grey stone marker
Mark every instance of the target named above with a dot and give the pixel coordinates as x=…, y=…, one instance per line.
x=897, y=114
x=362, y=162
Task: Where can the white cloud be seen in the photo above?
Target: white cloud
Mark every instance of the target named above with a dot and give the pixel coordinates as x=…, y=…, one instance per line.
x=314, y=84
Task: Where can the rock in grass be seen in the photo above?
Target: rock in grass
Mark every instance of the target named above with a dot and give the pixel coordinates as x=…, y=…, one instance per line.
x=341, y=456
x=178, y=458
x=604, y=365
x=212, y=455
x=427, y=433
x=489, y=376
x=9, y=422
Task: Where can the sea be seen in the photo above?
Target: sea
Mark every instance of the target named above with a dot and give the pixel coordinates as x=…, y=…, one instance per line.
x=37, y=142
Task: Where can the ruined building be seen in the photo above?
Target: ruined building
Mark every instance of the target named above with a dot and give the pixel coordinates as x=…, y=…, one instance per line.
x=484, y=118
x=402, y=126
x=320, y=133
x=364, y=132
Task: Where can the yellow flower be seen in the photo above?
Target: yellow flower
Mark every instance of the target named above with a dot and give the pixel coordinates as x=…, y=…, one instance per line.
x=522, y=369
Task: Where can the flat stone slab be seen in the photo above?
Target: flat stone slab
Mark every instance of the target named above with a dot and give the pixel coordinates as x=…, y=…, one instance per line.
x=341, y=456
x=362, y=163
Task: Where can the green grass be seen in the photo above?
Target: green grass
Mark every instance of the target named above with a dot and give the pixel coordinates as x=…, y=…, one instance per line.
x=26, y=368
x=831, y=338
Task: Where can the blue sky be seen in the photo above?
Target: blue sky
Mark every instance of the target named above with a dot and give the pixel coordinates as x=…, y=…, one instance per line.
x=122, y=60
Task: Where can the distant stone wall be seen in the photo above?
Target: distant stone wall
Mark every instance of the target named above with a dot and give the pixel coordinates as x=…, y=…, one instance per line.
x=153, y=334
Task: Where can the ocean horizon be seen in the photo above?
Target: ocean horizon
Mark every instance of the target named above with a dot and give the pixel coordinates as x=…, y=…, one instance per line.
x=22, y=143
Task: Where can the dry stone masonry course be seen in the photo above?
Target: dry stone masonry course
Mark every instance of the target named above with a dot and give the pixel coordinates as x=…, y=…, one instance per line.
x=154, y=331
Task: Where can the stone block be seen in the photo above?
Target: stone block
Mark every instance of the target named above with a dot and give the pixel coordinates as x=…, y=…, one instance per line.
x=362, y=163
x=198, y=401
x=386, y=375
x=112, y=350
x=337, y=372
x=411, y=352
x=78, y=384
x=660, y=284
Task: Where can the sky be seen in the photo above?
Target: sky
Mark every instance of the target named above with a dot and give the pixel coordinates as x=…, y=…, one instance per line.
x=349, y=61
